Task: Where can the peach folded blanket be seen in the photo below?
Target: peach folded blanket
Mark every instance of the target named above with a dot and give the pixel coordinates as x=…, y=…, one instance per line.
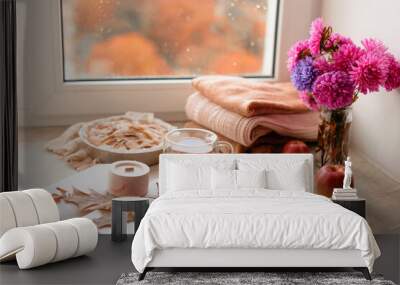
x=249, y=98
x=247, y=130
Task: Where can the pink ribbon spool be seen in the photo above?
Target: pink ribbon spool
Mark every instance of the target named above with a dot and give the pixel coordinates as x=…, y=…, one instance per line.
x=129, y=178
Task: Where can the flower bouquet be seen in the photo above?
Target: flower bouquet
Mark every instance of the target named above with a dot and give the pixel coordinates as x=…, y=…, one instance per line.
x=330, y=71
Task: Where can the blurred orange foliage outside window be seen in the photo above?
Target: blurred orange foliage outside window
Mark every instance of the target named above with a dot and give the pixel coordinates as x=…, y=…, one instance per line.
x=155, y=38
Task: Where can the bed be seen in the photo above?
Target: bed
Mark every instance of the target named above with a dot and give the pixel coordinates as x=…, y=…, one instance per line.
x=242, y=210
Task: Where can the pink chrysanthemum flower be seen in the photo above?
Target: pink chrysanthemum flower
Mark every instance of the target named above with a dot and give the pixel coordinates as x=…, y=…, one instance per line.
x=316, y=33
x=309, y=101
x=373, y=45
x=338, y=39
x=345, y=56
x=333, y=90
x=370, y=71
x=295, y=52
x=322, y=65
x=393, y=76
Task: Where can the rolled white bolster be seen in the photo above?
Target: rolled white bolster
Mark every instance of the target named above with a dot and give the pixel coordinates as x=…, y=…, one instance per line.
x=33, y=246
x=40, y=244
x=87, y=234
x=7, y=218
x=46, y=208
x=23, y=208
x=67, y=240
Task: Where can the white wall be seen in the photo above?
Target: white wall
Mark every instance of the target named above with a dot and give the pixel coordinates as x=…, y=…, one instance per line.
x=376, y=119
x=295, y=19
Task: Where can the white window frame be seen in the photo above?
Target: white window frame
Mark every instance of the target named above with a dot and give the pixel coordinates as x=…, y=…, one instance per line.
x=46, y=100
x=267, y=71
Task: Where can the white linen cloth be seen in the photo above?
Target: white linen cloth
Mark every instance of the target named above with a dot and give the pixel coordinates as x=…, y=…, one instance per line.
x=253, y=218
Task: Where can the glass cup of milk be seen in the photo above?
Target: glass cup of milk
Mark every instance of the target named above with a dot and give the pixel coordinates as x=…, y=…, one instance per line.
x=191, y=140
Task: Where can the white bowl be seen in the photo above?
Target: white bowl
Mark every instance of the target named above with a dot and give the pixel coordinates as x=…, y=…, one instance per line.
x=108, y=155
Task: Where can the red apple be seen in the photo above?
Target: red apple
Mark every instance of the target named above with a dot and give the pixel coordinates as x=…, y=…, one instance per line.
x=328, y=177
x=295, y=146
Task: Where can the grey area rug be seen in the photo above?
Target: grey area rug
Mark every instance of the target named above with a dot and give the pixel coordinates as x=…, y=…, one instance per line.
x=269, y=278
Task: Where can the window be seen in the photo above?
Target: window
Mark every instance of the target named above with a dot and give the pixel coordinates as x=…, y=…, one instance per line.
x=60, y=85
x=164, y=39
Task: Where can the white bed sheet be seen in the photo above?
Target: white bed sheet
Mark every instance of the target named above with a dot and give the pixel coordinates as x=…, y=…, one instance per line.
x=253, y=218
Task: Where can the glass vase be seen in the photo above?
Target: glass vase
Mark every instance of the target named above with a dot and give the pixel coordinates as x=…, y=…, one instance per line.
x=333, y=135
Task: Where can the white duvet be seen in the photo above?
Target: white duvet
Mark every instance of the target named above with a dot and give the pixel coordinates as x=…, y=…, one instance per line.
x=250, y=219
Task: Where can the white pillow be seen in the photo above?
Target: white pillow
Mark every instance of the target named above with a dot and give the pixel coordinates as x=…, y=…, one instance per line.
x=281, y=174
x=287, y=178
x=226, y=179
x=193, y=174
x=251, y=178
x=223, y=179
x=181, y=177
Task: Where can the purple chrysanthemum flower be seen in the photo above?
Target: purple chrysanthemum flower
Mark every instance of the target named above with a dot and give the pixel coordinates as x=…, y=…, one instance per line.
x=309, y=100
x=304, y=74
x=333, y=90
